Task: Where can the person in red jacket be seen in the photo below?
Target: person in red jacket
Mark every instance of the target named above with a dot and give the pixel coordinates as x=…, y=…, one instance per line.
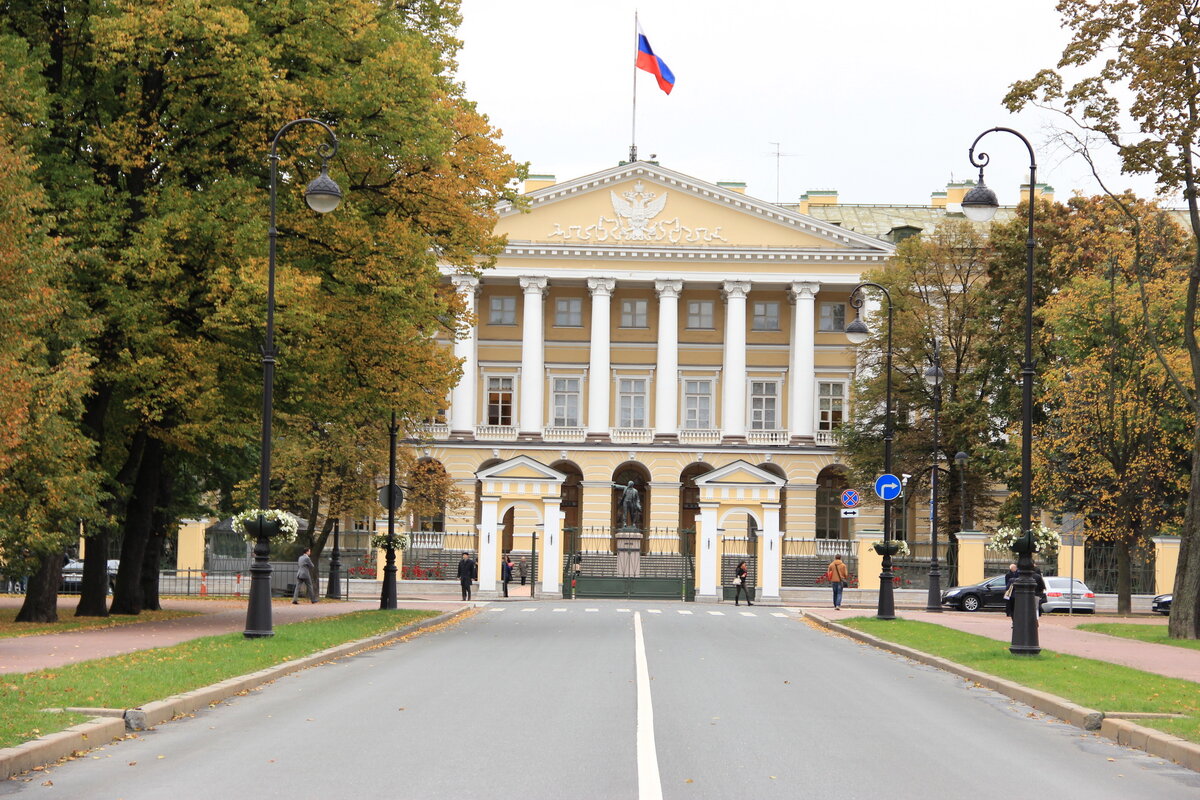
x=839, y=576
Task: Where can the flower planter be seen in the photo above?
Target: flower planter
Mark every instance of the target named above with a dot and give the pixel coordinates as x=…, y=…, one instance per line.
x=887, y=548
x=266, y=527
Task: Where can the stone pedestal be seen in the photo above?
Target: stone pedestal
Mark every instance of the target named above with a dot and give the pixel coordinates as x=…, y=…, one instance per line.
x=629, y=553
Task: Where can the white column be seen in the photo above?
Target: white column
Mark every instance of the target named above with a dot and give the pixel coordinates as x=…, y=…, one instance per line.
x=772, y=554
x=801, y=419
x=666, y=411
x=600, y=359
x=551, y=562
x=489, y=542
x=533, y=355
x=733, y=376
x=708, y=550
x=462, y=397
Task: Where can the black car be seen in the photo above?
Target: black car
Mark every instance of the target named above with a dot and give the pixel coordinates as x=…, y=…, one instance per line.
x=1162, y=604
x=989, y=594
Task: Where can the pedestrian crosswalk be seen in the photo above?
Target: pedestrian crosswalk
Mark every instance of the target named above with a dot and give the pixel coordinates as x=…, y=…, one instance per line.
x=499, y=609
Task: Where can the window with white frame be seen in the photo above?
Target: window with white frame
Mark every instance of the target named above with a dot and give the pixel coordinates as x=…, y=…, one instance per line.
x=697, y=404
x=500, y=400
x=764, y=405
x=565, y=402
x=633, y=314
x=631, y=403
x=764, y=315
x=568, y=312
x=502, y=311
x=700, y=314
x=831, y=405
x=833, y=317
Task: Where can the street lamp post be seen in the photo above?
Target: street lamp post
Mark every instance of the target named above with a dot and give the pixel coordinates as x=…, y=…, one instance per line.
x=979, y=205
x=933, y=376
x=387, y=595
x=857, y=333
x=334, y=590
x=960, y=458
x=322, y=196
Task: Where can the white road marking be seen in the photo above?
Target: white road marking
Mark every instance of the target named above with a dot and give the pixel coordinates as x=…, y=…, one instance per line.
x=528, y=610
x=649, y=782
x=622, y=610
x=717, y=613
x=681, y=611
x=777, y=614
x=559, y=610
x=591, y=609
x=748, y=614
x=497, y=609
x=653, y=611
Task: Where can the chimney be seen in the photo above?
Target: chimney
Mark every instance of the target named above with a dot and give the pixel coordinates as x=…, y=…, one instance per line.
x=733, y=186
x=818, y=197
x=535, y=182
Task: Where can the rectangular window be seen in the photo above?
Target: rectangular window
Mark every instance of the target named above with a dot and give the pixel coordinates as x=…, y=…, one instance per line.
x=764, y=404
x=568, y=312
x=833, y=317
x=765, y=316
x=499, y=401
x=502, y=311
x=697, y=405
x=631, y=399
x=566, y=402
x=831, y=405
x=700, y=314
x=633, y=314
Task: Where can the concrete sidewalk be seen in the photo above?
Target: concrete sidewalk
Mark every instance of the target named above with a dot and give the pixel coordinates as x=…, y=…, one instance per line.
x=45, y=651
x=1058, y=632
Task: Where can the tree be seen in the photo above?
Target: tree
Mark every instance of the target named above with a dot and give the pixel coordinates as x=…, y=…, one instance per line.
x=152, y=123
x=1113, y=446
x=1140, y=64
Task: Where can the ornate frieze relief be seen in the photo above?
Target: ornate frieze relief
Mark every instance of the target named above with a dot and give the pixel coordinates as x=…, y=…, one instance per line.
x=635, y=220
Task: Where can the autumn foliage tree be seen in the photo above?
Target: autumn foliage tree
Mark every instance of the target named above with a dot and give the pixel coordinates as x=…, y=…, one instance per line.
x=1134, y=76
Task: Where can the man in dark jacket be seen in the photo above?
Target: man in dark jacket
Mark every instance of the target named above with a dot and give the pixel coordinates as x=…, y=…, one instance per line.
x=466, y=574
x=1009, y=578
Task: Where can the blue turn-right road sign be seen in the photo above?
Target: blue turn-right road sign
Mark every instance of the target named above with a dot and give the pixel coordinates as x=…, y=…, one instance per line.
x=887, y=487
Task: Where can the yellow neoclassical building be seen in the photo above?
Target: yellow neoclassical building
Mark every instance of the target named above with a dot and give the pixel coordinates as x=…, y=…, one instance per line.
x=645, y=326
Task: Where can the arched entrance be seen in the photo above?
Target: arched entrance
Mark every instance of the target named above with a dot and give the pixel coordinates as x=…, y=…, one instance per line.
x=689, y=494
x=631, y=471
x=831, y=482
x=572, y=493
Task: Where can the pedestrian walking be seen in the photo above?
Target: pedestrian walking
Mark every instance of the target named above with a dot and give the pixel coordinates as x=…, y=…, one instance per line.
x=1010, y=577
x=305, y=570
x=466, y=574
x=740, y=576
x=506, y=569
x=839, y=577
x=522, y=569
x=1040, y=591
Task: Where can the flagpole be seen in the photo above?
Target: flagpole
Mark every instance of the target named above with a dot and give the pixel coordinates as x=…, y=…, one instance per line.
x=633, y=129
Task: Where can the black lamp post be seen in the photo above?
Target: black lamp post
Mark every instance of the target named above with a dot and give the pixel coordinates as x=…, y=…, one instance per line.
x=980, y=205
x=933, y=376
x=857, y=332
x=393, y=496
x=322, y=196
x=333, y=591
x=960, y=458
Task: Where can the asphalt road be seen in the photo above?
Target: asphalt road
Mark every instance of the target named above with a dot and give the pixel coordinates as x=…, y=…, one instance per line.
x=550, y=700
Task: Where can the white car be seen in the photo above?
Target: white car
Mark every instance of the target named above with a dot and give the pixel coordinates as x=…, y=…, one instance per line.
x=1066, y=594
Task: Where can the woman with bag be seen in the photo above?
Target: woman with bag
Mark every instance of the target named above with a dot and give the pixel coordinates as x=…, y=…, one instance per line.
x=839, y=575
x=740, y=576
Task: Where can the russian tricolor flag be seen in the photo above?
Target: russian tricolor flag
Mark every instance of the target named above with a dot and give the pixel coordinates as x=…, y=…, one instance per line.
x=653, y=64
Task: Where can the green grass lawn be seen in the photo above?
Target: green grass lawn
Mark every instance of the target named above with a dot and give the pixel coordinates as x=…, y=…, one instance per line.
x=1143, y=633
x=134, y=679
x=9, y=628
x=1093, y=684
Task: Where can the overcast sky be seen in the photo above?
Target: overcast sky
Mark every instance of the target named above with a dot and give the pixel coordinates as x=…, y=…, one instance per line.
x=875, y=98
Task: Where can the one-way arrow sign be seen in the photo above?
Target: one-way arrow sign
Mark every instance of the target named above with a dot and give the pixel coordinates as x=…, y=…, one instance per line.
x=849, y=512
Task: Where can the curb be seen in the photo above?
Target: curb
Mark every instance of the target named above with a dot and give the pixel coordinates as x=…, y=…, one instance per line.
x=1122, y=731
x=100, y=730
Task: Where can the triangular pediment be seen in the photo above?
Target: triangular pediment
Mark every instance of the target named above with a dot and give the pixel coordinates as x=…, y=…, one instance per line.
x=521, y=468
x=739, y=473
x=643, y=204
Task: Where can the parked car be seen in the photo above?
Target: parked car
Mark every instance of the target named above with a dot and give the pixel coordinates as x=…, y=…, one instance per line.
x=989, y=594
x=1065, y=594
x=72, y=576
x=1162, y=604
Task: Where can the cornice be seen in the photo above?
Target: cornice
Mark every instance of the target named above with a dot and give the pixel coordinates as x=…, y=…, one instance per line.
x=740, y=255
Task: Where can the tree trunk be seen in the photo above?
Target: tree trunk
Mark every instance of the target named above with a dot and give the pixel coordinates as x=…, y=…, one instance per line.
x=1124, y=578
x=127, y=595
x=41, y=599
x=1184, y=621
x=93, y=590
x=162, y=521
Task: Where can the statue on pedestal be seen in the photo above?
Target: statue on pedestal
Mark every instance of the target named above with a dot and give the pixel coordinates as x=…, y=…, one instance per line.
x=631, y=507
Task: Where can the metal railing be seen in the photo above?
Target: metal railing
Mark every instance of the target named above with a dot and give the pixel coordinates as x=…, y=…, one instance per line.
x=818, y=548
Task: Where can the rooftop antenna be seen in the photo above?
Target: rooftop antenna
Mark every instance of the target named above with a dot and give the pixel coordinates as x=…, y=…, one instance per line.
x=779, y=156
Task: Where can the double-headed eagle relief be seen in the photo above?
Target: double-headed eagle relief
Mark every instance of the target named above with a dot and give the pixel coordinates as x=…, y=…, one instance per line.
x=635, y=221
